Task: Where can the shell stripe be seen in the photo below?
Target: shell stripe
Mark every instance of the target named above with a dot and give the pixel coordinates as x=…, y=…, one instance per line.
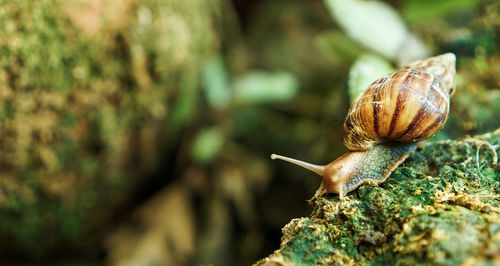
x=432, y=126
x=422, y=111
x=401, y=95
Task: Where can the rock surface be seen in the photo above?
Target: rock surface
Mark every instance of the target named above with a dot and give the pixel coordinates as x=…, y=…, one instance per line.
x=442, y=206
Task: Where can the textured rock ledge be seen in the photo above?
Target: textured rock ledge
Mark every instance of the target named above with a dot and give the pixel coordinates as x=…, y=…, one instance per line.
x=442, y=206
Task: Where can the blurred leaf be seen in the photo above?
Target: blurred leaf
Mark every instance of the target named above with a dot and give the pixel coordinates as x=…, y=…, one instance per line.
x=215, y=83
x=207, y=145
x=261, y=87
x=422, y=10
x=335, y=45
x=374, y=24
x=368, y=68
x=412, y=49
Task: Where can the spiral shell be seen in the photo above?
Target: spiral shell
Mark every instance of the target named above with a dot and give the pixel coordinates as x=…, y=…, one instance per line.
x=409, y=105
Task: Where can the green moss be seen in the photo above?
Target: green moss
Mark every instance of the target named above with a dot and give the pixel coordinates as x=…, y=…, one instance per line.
x=436, y=208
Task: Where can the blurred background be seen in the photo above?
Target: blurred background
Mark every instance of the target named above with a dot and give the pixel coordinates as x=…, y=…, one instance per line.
x=139, y=132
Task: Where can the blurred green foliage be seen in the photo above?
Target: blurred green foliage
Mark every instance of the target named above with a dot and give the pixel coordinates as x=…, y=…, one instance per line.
x=337, y=46
x=216, y=84
x=415, y=11
x=262, y=87
x=207, y=145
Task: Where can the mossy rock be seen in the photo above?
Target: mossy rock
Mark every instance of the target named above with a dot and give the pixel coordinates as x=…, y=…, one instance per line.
x=91, y=94
x=441, y=207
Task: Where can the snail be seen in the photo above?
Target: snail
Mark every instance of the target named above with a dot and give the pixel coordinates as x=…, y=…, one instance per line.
x=385, y=121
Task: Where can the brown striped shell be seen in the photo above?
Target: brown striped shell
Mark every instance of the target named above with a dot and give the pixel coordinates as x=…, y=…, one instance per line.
x=409, y=105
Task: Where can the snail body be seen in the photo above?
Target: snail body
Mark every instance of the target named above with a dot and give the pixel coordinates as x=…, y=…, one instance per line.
x=386, y=120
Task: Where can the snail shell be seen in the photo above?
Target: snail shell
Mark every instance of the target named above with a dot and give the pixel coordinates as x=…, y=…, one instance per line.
x=385, y=121
x=409, y=105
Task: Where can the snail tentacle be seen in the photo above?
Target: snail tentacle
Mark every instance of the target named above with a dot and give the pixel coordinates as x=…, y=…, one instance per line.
x=318, y=169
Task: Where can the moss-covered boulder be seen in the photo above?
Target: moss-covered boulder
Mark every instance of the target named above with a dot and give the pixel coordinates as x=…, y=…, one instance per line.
x=441, y=207
x=91, y=91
